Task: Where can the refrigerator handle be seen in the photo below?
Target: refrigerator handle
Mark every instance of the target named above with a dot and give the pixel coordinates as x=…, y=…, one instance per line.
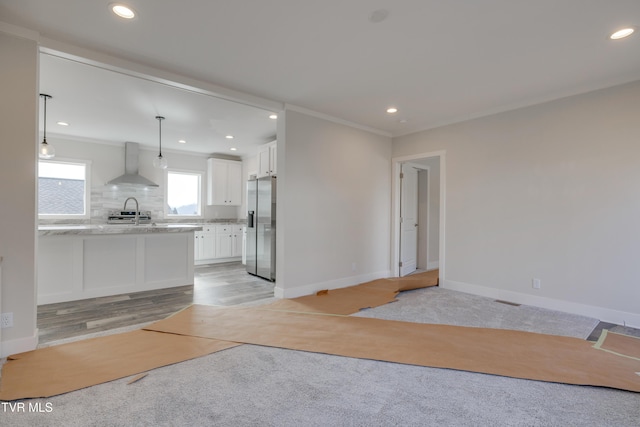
x=250, y=223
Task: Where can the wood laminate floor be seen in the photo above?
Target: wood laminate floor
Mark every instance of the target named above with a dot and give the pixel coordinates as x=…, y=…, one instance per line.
x=215, y=284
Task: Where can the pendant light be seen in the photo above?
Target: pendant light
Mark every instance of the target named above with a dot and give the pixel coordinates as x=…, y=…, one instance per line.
x=160, y=162
x=46, y=150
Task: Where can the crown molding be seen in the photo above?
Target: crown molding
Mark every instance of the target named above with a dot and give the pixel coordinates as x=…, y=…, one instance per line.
x=336, y=120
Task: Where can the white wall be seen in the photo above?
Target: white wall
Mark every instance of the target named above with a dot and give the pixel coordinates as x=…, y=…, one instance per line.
x=552, y=192
x=334, y=194
x=423, y=219
x=434, y=212
x=19, y=52
x=429, y=211
x=18, y=141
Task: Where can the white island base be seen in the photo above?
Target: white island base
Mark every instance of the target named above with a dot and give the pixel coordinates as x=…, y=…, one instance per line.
x=80, y=266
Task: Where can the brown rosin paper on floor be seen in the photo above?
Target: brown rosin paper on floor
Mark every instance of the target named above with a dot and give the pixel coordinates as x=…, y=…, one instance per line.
x=406, y=283
x=354, y=298
x=622, y=345
x=62, y=368
x=67, y=367
x=338, y=301
x=493, y=351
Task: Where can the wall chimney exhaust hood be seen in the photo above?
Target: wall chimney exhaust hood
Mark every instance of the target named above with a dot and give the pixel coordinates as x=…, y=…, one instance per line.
x=131, y=176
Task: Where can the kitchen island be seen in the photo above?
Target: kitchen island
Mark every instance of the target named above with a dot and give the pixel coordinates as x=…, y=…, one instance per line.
x=86, y=261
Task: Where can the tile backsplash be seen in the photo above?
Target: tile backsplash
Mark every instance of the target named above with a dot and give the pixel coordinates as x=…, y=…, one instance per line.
x=109, y=197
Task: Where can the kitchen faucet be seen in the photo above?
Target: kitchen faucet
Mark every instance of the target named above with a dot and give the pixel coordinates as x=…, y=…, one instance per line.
x=124, y=208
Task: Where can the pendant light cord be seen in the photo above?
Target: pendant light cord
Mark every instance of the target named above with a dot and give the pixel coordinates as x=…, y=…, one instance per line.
x=44, y=138
x=44, y=134
x=160, y=118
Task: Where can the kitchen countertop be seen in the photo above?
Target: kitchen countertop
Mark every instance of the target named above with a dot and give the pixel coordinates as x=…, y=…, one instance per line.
x=98, y=229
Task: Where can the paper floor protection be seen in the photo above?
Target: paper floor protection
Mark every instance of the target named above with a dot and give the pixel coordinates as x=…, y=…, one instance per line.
x=355, y=298
x=67, y=367
x=492, y=351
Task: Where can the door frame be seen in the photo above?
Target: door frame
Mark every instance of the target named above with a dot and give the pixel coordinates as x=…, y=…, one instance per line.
x=395, y=212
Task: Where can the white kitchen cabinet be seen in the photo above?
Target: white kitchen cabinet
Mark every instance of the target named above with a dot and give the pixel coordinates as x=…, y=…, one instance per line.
x=218, y=243
x=228, y=241
x=223, y=241
x=267, y=159
x=76, y=266
x=205, y=244
x=224, y=182
x=197, y=246
x=273, y=157
x=236, y=241
x=263, y=161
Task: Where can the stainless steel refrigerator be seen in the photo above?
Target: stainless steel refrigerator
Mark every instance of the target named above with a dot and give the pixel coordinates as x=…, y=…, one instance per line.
x=261, y=227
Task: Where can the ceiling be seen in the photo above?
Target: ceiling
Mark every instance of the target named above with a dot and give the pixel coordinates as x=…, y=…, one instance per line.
x=107, y=106
x=437, y=61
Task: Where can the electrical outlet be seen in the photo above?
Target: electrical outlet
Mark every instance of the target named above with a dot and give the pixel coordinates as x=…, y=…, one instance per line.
x=6, y=320
x=535, y=283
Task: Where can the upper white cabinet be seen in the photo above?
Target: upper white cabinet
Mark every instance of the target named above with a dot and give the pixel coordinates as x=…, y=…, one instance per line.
x=267, y=156
x=224, y=182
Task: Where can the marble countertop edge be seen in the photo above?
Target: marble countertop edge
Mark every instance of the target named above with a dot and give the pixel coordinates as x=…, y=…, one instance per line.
x=103, y=229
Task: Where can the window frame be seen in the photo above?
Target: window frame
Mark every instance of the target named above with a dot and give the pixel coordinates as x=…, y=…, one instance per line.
x=200, y=175
x=87, y=188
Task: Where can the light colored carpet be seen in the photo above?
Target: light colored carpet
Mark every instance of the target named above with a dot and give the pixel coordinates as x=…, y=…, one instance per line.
x=447, y=307
x=259, y=386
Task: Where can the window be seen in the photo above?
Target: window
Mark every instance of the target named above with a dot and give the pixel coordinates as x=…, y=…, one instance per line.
x=63, y=189
x=184, y=193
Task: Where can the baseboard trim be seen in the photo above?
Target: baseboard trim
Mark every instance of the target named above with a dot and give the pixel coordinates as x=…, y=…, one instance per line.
x=19, y=345
x=217, y=260
x=111, y=291
x=312, y=288
x=601, y=313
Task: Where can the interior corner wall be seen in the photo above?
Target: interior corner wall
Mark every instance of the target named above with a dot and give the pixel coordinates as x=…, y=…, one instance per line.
x=18, y=140
x=334, y=204
x=423, y=219
x=551, y=192
x=433, y=232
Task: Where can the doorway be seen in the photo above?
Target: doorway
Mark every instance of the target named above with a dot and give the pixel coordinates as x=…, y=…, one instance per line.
x=418, y=213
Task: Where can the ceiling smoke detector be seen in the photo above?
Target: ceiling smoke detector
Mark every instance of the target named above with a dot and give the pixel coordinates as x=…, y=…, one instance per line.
x=378, y=16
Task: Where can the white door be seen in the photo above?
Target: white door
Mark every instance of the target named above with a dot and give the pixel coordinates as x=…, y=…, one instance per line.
x=408, y=220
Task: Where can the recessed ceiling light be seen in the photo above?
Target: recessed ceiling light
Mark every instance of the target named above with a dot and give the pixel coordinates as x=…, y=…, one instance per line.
x=233, y=148
x=273, y=116
x=229, y=136
x=392, y=110
x=122, y=11
x=63, y=123
x=182, y=141
x=620, y=34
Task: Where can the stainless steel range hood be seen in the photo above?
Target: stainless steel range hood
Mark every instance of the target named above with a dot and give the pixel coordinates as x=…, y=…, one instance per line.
x=131, y=176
